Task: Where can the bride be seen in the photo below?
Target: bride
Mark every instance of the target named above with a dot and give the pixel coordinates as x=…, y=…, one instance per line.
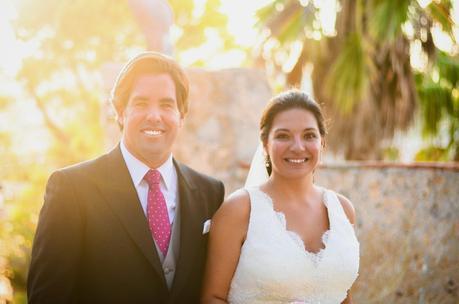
x=284, y=239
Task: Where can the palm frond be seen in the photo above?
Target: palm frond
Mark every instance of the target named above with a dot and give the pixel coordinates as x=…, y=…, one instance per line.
x=434, y=99
x=387, y=17
x=348, y=78
x=268, y=11
x=293, y=29
x=277, y=23
x=440, y=11
x=448, y=68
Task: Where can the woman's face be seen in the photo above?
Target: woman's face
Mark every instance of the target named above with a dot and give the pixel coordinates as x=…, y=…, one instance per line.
x=294, y=143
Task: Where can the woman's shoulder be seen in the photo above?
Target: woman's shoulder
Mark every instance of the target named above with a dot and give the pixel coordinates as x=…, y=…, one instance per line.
x=346, y=204
x=236, y=207
x=348, y=207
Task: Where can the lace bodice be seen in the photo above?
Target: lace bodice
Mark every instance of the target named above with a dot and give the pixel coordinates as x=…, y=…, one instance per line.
x=274, y=266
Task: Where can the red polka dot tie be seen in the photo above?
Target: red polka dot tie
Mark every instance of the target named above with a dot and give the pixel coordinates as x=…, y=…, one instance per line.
x=158, y=217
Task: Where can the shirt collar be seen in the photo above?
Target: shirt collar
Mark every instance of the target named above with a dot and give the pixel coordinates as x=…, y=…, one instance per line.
x=138, y=169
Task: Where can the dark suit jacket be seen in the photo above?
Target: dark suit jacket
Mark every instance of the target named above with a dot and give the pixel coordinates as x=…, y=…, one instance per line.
x=93, y=244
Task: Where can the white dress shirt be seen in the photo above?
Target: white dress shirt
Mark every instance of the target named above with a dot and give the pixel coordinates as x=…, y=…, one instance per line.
x=168, y=185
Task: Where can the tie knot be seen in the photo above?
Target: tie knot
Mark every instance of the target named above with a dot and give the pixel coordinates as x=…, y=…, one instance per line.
x=153, y=177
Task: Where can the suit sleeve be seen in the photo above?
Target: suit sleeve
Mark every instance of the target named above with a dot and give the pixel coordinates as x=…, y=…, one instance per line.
x=57, y=245
x=221, y=193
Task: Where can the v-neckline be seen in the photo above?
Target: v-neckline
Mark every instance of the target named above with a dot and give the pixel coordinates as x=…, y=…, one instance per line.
x=294, y=236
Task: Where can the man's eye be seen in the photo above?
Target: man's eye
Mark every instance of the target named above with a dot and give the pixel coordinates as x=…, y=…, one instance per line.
x=140, y=104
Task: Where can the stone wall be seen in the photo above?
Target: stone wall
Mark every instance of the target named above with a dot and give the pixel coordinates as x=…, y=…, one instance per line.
x=220, y=133
x=408, y=227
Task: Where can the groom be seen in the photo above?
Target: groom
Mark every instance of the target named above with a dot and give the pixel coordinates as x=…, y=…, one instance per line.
x=129, y=226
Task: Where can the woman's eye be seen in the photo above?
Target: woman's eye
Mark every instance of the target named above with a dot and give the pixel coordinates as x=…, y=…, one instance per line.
x=281, y=136
x=310, y=136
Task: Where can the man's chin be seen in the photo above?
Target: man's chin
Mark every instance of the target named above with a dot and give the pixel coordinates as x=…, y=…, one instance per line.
x=156, y=156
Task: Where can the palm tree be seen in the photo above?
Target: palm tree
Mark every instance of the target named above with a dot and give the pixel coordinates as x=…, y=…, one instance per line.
x=439, y=100
x=362, y=74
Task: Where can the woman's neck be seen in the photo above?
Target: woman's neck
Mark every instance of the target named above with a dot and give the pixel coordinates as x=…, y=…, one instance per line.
x=292, y=188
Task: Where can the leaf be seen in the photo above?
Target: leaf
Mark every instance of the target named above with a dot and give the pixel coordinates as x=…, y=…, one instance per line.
x=387, y=18
x=432, y=153
x=348, y=78
x=448, y=67
x=434, y=100
x=269, y=11
x=293, y=29
x=441, y=13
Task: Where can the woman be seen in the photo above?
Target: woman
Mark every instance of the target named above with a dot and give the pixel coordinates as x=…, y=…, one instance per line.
x=286, y=240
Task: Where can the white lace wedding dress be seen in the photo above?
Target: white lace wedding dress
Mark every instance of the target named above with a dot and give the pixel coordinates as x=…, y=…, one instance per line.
x=274, y=266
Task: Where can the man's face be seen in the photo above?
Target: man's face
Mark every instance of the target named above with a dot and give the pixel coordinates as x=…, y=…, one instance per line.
x=151, y=119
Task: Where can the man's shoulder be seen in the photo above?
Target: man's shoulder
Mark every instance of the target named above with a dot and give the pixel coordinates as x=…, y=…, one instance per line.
x=210, y=187
x=196, y=176
x=87, y=167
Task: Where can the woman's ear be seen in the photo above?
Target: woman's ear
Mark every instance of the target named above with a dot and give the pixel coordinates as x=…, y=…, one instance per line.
x=322, y=151
x=264, y=142
x=322, y=144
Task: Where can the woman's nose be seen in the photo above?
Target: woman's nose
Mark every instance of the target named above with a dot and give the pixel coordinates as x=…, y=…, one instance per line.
x=298, y=144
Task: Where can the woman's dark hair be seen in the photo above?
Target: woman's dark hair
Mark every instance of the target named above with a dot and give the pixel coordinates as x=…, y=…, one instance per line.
x=291, y=99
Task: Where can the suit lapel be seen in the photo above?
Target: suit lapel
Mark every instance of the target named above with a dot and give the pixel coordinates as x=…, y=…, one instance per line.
x=190, y=228
x=122, y=197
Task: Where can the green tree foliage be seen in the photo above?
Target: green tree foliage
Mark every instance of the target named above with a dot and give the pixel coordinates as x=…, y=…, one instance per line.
x=439, y=98
x=194, y=25
x=362, y=73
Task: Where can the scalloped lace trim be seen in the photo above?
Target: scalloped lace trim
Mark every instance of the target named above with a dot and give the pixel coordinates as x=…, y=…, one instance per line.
x=315, y=257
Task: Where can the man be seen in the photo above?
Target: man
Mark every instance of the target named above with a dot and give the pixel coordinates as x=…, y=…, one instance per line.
x=129, y=226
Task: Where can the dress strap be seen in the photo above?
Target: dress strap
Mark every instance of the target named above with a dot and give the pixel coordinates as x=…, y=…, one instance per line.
x=337, y=214
x=256, y=197
x=333, y=204
x=261, y=214
x=251, y=192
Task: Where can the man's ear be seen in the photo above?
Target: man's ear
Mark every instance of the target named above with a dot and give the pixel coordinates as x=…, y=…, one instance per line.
x=119, y=115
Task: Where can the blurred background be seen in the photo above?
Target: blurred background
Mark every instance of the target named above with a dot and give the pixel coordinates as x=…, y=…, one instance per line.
x=385, y=71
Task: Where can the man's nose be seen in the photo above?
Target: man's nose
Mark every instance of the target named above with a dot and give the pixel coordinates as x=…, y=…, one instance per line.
x=153, y=114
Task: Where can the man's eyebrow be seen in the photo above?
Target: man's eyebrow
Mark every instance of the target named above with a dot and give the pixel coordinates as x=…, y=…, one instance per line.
x=139, y=97
x=167, y=99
